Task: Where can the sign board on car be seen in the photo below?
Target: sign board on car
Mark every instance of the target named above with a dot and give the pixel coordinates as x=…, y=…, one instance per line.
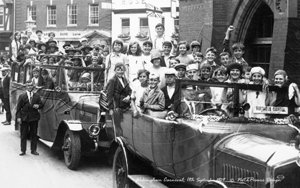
x=270, y=110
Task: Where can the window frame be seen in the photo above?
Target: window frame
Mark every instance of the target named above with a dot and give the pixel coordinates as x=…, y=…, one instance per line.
x=95, y=17
x=68, y=15
x=48, y=20
x=125, y=27
x=2, y=16
x=144, y=29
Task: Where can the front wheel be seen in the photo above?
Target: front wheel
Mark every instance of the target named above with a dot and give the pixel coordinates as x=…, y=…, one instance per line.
x=72, y=149
x=120, y=169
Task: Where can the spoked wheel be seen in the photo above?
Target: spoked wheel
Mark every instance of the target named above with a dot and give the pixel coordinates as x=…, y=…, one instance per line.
x=120, y=170
x=72, y=149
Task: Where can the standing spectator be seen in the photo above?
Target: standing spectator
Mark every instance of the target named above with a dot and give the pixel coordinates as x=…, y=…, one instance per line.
x=24, y=39
x=160, y=37
x=113, y=58
x=169, y=89
x=224, y=59
x=184, y=47
x=39, y=39
x=6, y=84
x=147, y=47
x=28, y=116
x=157, y=68
x=51, y=36
x=196, y=47
x=210, y=57
x=28, y=32
x=167, y=48
x=135, y=60
x=181, y=70
x=15, y=45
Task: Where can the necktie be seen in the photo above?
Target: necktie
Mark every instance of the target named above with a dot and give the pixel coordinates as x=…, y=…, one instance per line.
x=30, y=100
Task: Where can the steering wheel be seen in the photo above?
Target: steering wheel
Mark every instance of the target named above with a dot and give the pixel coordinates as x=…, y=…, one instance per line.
x=214, y=111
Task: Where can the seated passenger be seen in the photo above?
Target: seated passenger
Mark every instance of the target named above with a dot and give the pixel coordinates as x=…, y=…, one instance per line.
x=218, y=93
x=153, y=98
x=47, y=81
x=288, y=96
x=85, y=82
x=138, y=88
x=190, y=104
x=169, y=89
x=118, y=90
x=74, y=74
x=256, y=98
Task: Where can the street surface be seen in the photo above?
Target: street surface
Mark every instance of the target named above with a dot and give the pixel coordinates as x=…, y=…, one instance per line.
x=47, y=170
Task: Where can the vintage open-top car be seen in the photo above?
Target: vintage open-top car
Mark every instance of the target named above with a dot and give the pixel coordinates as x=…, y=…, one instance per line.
x=70, y=119
x=216, y=146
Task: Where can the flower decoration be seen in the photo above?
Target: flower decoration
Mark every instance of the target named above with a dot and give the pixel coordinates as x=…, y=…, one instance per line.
x=124, y=36
x=142, y=36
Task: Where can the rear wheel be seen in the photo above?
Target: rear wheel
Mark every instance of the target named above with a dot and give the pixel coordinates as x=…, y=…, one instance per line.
x=120, y=169
x=72, y=149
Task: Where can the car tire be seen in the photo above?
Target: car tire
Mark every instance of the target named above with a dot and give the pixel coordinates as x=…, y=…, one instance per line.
x=72, y=149
x=120, y=169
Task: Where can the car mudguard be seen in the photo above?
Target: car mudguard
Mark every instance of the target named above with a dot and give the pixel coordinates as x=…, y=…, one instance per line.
x=74, y=125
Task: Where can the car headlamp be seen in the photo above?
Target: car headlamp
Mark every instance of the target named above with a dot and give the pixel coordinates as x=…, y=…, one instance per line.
x=94, y=130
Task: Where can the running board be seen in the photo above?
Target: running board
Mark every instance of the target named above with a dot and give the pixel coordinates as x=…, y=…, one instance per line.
x=146, y=181
x=47, y=143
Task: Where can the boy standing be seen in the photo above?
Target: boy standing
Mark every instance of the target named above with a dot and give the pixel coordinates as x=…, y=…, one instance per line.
x=169, y=89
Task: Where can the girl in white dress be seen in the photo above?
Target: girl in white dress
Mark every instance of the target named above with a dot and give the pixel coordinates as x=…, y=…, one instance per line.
x=135, y=60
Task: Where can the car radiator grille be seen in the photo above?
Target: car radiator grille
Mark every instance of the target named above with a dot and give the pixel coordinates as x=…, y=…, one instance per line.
x=235, y=173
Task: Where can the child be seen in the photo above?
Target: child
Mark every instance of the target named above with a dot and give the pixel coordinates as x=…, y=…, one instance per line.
x=35, y=76
x=220, y=74
x=147, y=47
x=166, y=57
x=113, y=58
x=181, y=70
x=192, y=71
x=196, y=47
x=205, y=71
x=118, y=90
x=157, y=68
x=169, y=89
x=135, y=60
x=236, y=51
x=198, y=56
x=160, y=37
x=210, y=57
x=183, y=56
x=247, y=75
x=224, y=59
x=173, y=62
x=153, y=98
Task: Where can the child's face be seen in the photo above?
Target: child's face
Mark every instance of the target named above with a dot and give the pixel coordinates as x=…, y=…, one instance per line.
x=147, y=49
x=198, y=58
x=95, y=61
x=191, y=73
x=84, y=43
x=181, y=72
x=210, y=56
x=159, y=30
x=51, y=60
x=117, y=47
x=238, y=53
x=182, y=49
x=153, y=82
x=279, y=80
x=51, y=36
x=224, y=60
x=77, y=53
x=119, y=71
x=196, y=49
x=43, y=48
x=173, y=63
x=133, y=49
x=156, y=62
x=257, y=78
x=45, y=61
x=205, y=73
x=143, y=77
x=167, y=49
x=35, y=74
x=105, y=53
x=170, y=79
x=220, y=77
x=247, y=75
x=76, y=62
x=235, y=74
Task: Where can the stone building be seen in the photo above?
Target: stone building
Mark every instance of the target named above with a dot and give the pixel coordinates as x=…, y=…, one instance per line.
x=270, y=29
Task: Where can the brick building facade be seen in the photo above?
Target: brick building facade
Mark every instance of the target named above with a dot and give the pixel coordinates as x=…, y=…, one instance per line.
x=270, y=29
x=68, y=19
x=6, y=24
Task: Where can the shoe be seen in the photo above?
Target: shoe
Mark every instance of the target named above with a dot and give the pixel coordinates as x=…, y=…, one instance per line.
x=3, y=122
x=6, y=123
x=34, y=153
x=22, y=153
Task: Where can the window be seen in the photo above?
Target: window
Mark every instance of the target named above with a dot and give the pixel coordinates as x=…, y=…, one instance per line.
x=1, y=15
x=176, y=22
x=51, y=15
x=125, y=25
x=72, y=14
x=144, y=25
x=31, y=11
x=94, y=15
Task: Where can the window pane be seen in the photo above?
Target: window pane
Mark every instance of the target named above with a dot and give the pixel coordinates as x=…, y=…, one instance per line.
x=125, y=25
x=94, y=14
x=51, y=15
x=72, y=15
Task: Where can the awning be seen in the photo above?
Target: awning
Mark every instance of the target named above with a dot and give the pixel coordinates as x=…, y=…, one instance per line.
x=97, y=34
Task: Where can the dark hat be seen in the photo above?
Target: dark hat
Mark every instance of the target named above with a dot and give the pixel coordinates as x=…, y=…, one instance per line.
x=32, y=40
x=41, y=44
x=234, y=66
x=160, y=25
x=213, y=49
x=195, y=43
x=180, y=65
x=70, y=49
x=45, y=72
x=51, y=33
x=66, y=44
x=86, y=47
x=148, y=42
x=155, y=54
x=51, y=41
x=167, y=43
x=35, y=69
x=38, y=31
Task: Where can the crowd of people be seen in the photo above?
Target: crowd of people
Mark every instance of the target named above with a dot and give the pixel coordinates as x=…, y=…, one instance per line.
x=143, y=76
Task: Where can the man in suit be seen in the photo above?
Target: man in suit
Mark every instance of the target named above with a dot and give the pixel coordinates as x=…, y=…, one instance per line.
x=28, y=116
x=5, y=84
x=169, y=89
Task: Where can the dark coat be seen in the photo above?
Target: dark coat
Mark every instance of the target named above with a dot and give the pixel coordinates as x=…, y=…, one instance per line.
x=168, y=100
x=6, y=83
x=116, y=93
x=25, y=110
